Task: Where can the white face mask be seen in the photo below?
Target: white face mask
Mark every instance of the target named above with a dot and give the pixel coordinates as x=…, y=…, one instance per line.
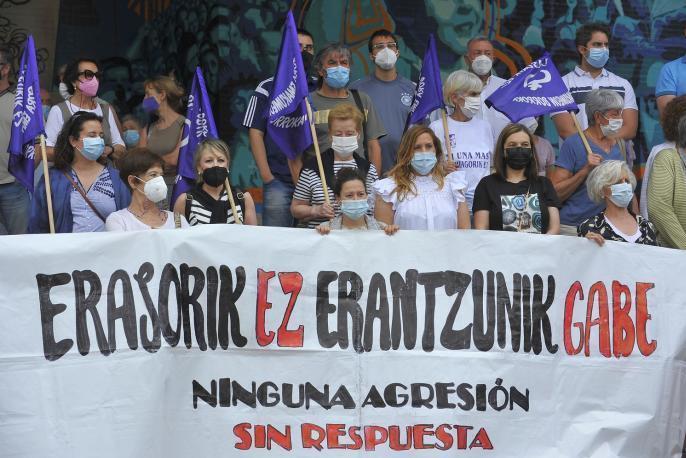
x=471, y=107
x=155, y=189
x=612, y=128
x=532, y=126
x=482, y=65
x=344, y=146
x=386, y=59
x=64, y=92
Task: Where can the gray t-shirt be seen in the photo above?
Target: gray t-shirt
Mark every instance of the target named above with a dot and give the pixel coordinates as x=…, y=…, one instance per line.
x=6, y=112
x=321, y=106
x=392, y=100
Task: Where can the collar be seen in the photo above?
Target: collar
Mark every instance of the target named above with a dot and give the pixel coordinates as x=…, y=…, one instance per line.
x=580, y=72
x=10, y=89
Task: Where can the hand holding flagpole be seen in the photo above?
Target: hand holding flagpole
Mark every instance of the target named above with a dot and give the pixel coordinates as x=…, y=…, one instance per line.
x=232, y=203
x=581, y=134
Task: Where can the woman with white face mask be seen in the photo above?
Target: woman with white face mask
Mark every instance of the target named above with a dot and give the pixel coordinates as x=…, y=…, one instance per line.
x=471, y=139
x=142, y=171
x=419, y=193
x=308, y=205
x=84, y=191
x=613, y=184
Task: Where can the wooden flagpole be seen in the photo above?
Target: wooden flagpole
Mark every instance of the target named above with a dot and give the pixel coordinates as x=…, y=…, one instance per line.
x=232, y=202
x=48, y=190
x=581, y=134
x=446, y=134
x=317, y=153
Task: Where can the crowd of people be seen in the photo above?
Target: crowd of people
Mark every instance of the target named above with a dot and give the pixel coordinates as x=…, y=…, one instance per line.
x=473, y=170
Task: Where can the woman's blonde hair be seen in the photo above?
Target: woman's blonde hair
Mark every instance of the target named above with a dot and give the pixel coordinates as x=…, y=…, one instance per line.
x=171, y=89
x=403, y=174
x=344, y=112
x=216, y=146
x=460, y=81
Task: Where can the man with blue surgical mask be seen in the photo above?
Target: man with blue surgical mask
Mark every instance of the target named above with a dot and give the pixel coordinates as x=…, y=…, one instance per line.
x=593, y=44
x=332, y=66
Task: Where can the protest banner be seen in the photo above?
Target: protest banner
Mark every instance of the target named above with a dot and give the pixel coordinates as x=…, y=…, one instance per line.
x=227, y=340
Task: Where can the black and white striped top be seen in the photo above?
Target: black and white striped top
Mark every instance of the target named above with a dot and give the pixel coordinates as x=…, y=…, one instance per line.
x=203, y=209
x=309, y=188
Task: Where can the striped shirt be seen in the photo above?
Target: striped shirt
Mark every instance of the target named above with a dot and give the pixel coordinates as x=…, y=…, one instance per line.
x=667, y=198
x=201, y=214
x=310, y=189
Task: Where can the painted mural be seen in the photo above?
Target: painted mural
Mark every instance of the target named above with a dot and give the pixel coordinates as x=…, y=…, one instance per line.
x=236, y=43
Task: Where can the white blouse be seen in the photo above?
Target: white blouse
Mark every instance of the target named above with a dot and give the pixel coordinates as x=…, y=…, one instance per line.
x=431, y=209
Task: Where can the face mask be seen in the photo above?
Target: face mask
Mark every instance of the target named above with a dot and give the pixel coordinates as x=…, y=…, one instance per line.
x=423, y=163
x=46, y=111
x=517, y=158
x=532, y=126
x=93, y=148
x=613, y=126
x=89, y=87
x=344, y=146
x=155, y=189
x=597, y=57
x=131, y=138
x=337, y=77
x=482, y=65
x=385, y=59
x=215, y=176
x=307, y=60
x=150, y=104
x=621, y=194
x=354, y=209
x=64, y=92
x=471, y=107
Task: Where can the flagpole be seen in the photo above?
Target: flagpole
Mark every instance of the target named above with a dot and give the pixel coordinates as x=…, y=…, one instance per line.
x=446, y=134
x=317, y=153
x=581, y=133
x=46, y=177
x=232, y=202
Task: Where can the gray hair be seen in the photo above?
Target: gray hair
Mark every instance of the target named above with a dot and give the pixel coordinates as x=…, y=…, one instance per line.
x=320, y=58
x=681, y=133
x=606, y=174
x=600, y=101
x=477, y=39
x=460, y=81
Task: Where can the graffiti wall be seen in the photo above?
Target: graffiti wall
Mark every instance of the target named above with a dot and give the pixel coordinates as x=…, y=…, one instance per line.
x=236, y=44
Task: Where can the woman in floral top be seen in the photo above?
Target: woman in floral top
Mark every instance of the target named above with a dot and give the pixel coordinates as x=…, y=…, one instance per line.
x=613, y=183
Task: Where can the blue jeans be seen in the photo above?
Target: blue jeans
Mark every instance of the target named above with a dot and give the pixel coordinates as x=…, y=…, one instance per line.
x=14, y=209
x=276, y=206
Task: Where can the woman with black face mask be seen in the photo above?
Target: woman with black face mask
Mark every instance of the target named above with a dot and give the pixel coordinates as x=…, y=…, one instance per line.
x=208, y=202
x=514, y=197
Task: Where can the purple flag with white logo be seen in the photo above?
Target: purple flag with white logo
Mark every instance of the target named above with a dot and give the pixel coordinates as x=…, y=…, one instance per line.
x=27, y=119
x=429, y=94
x=535, y=90
x=288, y=125
x=199, y=126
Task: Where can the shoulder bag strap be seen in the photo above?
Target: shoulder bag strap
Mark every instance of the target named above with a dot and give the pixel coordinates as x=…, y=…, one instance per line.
x=177, y=220
x=358, y=102
x=83, y=194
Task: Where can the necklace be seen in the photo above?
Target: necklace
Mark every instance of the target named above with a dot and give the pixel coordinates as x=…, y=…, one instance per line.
x=140, y=217
x=521, y=213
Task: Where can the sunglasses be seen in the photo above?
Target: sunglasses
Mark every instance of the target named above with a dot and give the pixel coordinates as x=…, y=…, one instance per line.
x=89, y=75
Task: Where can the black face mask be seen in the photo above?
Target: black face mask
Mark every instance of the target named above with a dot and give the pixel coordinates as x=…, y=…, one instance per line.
x=215, y=176
x=307, y=61
x=518, y=158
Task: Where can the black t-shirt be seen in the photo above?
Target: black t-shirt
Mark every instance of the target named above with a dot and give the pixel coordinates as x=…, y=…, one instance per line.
x=518, y=207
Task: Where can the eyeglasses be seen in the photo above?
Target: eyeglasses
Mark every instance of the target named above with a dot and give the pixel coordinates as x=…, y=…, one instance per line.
x=89, y=75
x=390, y=45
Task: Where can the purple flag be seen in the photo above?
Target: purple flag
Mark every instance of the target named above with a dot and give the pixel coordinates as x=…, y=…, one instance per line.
x=199, y=126
x=288, y=126
x=27, y=120
x=429, y=94
x=535, y=90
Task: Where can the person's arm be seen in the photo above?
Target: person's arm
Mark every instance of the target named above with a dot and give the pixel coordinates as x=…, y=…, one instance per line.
x=180, y=204
x=463, y=216
x=383, y=211
x=564, y=124
x=117, y=149
x=630, y=124
x=661, y=200
x=259, y=153
x=665, y=87
x=250, y=217
x=295, y=166
x=565, y=182
x=302, y=210
x=662, y=102
x=553, y=221
x=374, y=152
x=481, y=220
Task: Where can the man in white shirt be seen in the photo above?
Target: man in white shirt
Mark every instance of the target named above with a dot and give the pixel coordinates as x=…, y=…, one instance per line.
x=592, y=43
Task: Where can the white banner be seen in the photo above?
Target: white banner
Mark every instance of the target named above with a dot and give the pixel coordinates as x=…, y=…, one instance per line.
x=230, y=341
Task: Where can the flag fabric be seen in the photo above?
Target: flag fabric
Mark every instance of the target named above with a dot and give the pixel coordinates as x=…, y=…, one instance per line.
x=535, y=90
x=27, y=118
x=288, y=124
x=429, y=94
x=199, y=126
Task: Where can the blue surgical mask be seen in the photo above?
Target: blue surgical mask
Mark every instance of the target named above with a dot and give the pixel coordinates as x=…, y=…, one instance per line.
x=597, y=57
x=622, y=193
x=150, y=104
x=424, y=163
x=131, y=138
x=93, y=148
x=337, y=77
x=354, y=209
